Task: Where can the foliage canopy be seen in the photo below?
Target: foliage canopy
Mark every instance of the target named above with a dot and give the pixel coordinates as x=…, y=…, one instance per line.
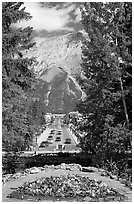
x=18, y=79
x=107, y=78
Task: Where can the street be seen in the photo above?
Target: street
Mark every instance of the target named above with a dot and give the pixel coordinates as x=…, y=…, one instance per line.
x=58, y=138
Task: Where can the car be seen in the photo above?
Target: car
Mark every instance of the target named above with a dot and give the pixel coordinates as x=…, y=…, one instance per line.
x=50, y=141
x=44, y=144
x=67, y=141
x=59, y=133
x=58, y=139
x=52, y=131
x=50, y=136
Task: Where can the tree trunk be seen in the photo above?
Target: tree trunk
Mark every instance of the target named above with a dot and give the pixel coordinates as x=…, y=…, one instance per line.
x=122, y=90
x=124, y=102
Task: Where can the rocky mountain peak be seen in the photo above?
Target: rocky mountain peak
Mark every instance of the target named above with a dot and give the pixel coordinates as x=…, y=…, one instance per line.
x=59, y=59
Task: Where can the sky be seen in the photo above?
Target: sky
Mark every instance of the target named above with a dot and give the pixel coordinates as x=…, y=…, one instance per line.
x=52, y=18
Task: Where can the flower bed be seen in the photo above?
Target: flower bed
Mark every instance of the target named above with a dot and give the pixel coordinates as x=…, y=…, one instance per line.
x=65, y=187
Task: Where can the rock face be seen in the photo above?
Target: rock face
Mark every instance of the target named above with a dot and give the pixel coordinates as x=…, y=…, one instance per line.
x=58, y=65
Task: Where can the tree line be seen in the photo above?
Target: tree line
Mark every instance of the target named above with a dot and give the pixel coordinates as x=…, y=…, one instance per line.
x=106, y=79
x=21, y=113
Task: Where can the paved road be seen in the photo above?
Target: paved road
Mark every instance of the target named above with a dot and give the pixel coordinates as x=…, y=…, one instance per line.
x=54, y=147
x=65, y=134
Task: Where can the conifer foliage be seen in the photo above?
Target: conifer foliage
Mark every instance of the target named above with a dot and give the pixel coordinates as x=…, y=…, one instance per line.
x=107, y=79
x=17, y=78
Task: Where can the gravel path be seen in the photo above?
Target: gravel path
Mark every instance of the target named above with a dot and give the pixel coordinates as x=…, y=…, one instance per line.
x=12, y=184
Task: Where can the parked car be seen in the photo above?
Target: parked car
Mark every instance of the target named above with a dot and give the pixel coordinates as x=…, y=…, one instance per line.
x=44, y=144
x=50, y=139
x=52, y=131
x=50, y=136
x=67, y=141
x=59, y=132
x=58, y=139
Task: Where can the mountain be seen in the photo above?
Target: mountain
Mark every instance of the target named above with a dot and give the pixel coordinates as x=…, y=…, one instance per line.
x=58, y=65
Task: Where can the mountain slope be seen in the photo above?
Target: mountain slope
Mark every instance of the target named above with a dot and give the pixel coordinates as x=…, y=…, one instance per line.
x=58, y=65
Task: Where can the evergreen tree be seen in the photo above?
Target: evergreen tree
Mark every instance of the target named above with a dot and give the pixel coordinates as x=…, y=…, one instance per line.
x=17, y=78
x=106, y=68
x=37, y=112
